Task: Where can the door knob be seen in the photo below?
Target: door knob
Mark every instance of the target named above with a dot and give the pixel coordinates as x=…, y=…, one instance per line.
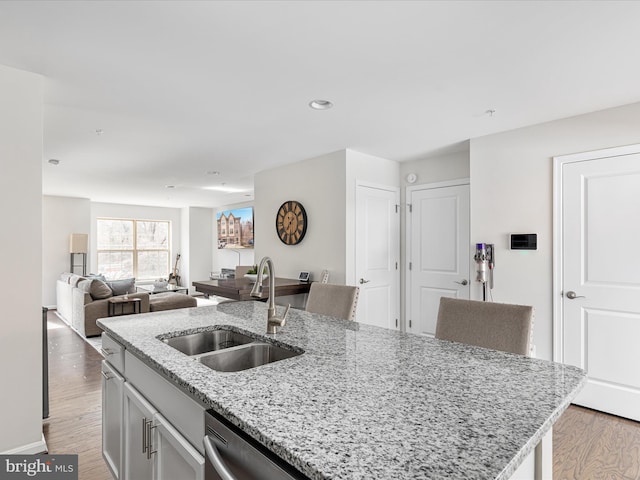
x=362, y=280
x=463, y=282
x=571, y=295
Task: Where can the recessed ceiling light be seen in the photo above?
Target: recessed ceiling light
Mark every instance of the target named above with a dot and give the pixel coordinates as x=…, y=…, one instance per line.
x=320, y=104
x=54, y=161
x=213, y=172
x=224, y=189
x=99, y=131
x=169, y=186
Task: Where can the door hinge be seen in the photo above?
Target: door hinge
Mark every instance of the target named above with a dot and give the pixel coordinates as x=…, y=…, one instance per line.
x=410, y=266
x=409, y=323
x=410, y=207
x=396, y=265
x=396, y=323
x=397, y=208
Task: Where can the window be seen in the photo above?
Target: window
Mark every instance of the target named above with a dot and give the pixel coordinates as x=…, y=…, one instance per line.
x=133, y=248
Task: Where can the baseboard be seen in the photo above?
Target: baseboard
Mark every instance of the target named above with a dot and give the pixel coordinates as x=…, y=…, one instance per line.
x=29, y=449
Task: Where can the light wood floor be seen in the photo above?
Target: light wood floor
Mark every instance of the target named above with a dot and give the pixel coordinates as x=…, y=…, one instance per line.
x=593, y=445
x=587, y=445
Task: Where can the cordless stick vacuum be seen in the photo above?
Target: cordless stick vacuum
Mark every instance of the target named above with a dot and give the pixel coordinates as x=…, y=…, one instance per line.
x=484, y=259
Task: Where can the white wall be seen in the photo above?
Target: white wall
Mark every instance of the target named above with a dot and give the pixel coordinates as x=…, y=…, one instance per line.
x=197, y=245
x=21, y=243
x=511, y=192
x=320, y=185
x=115, y=210
x=439, y=168
x=61, y=216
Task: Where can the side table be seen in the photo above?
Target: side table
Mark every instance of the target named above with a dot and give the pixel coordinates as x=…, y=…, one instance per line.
x=122, y=301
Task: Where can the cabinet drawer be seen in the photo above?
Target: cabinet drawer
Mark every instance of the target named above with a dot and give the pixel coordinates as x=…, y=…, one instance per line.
x=113, y=352
x=182, y=411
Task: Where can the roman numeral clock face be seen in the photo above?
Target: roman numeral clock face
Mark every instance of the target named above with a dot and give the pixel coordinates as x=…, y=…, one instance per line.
x=291, y=222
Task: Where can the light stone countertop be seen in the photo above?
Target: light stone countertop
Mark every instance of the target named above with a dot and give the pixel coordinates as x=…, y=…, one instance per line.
x=365, y=402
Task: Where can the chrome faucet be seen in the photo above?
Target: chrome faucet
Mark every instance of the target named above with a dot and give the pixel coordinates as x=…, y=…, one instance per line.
x=273, y=322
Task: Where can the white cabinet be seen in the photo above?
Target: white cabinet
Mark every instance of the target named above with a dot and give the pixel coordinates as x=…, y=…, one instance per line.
x=175, y=457
x=153, y=449
x=112, y=386
x=138, y=442
x=138, y=454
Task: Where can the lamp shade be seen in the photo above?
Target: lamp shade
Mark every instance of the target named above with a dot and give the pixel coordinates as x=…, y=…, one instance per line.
x=78, y=243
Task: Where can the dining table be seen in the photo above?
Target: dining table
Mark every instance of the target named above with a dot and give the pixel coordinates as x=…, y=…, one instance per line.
x=240, y=288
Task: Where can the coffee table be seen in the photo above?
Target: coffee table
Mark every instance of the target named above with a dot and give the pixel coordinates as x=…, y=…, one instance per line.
x=151, y=289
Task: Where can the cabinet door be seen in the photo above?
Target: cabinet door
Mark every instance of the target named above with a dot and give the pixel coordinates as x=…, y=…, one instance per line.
x=138, y=420
x=112, y=385
x=175, y=457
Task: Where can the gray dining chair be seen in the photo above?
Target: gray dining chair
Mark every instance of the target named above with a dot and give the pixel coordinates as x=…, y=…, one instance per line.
x=334, y=300
x=499, y=326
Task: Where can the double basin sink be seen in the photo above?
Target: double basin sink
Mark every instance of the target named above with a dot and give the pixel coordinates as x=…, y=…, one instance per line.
x=226, y=350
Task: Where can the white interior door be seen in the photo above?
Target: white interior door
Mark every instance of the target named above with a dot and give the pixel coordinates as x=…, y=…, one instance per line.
x=600, y=282
x=378, y=255
x=439, y=251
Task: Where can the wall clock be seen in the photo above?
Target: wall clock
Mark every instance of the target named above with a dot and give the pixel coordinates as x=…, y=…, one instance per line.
x=291, y=222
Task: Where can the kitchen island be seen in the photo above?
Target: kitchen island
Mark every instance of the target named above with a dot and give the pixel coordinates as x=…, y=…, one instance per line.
x=363, y=402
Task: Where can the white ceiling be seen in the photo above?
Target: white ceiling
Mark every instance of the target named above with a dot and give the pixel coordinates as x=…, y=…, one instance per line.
x=184, y=88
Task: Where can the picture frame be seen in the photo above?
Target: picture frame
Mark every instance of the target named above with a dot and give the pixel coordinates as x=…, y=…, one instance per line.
x=235, y=228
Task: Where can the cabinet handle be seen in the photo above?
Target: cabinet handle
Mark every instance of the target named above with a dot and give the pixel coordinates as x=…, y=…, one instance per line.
x=106, y=352
x=150, y=450
x=145, y=442
x=106, y=375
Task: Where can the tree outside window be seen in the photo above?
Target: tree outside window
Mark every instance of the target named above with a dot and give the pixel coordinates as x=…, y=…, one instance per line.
x=133, y=248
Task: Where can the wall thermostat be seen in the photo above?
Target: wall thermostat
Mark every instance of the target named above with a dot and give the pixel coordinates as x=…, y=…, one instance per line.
x=304, y=277
x=524, y=241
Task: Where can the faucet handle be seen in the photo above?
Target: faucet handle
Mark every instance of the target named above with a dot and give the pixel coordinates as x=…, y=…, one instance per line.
x=274, y=322
x=284, y=316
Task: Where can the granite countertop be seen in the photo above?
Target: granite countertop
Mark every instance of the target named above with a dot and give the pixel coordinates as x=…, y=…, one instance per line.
x=364, y=402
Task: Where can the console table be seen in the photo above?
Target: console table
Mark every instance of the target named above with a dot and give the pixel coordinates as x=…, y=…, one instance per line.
x=122, y=301
x=240, y=288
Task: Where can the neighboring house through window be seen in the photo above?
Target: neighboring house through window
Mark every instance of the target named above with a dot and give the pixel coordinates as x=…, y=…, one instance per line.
x=133, y=248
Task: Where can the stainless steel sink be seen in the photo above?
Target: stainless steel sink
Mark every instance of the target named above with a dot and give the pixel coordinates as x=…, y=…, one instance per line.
x=209, y=341
x=246, y=356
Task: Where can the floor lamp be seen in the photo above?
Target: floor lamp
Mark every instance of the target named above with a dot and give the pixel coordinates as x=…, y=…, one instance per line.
x=78, y=243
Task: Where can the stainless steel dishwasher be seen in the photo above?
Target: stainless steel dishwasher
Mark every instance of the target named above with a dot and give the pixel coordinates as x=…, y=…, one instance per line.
x=233, y=455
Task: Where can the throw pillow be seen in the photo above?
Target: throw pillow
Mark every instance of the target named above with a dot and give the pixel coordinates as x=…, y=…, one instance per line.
x=96, y=288
x=100, y=289
x=122, y=287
